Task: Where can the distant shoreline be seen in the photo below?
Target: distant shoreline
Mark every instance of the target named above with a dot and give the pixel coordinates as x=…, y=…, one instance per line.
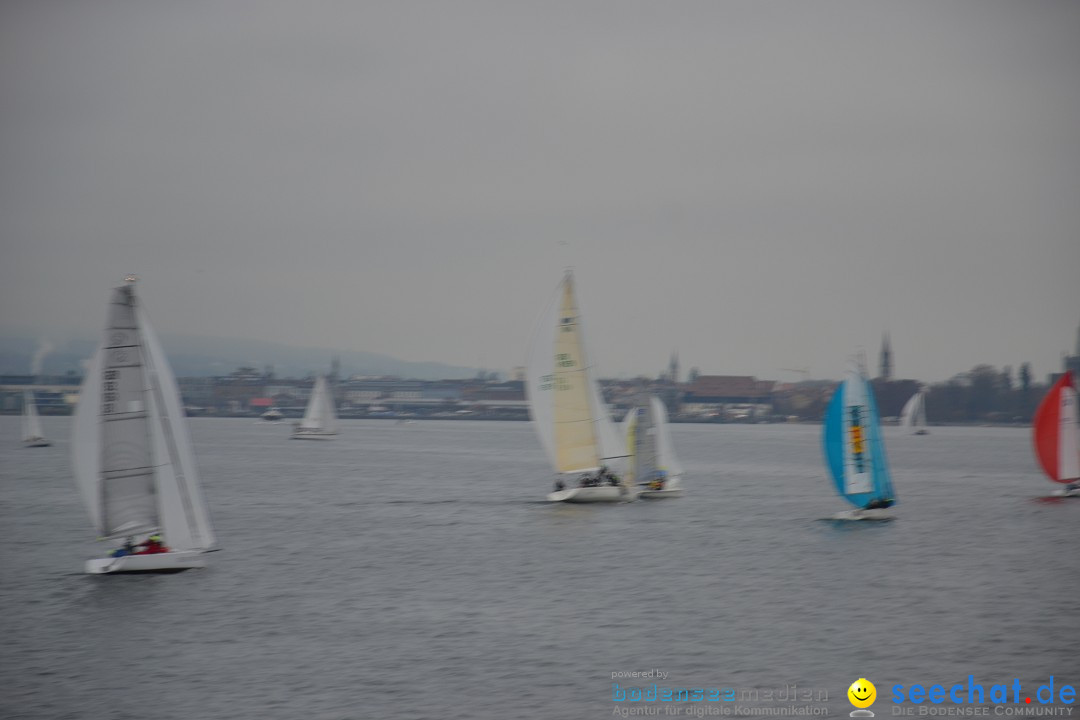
x=508, y=417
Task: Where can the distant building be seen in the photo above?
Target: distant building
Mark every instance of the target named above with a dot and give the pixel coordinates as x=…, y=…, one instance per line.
x=1072, y=362
x=673, y=368
x=885, y=369
x=733, y=396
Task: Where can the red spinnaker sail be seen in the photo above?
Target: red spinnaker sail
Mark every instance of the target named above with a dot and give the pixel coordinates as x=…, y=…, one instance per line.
x=1049, y=428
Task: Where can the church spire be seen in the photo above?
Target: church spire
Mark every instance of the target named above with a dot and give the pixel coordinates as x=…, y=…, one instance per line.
x=885, y=368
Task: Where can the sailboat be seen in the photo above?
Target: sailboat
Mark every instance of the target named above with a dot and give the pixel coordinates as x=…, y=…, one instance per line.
x=1057, y=436
x=131, y=453
x=854, y=451
x=320, y=418
x=568, y=410
x=653, y=465
x=913, y=416
x=32, y=434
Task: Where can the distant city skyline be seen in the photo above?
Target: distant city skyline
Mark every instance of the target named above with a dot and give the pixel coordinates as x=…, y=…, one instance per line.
x=206, y=356
x=758, y=188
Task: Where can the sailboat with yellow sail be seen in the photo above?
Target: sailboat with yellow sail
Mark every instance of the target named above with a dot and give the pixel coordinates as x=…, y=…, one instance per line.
x=568, y=410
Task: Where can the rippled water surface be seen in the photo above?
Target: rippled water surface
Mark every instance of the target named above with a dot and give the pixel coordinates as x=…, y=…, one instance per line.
x=413, y=571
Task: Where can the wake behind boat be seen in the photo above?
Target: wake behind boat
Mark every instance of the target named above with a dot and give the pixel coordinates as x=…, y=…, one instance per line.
x=568, y=412
x=1056, y=436
x=32, y=435
x=652, y=460
x=854, y=451
x=131, y=453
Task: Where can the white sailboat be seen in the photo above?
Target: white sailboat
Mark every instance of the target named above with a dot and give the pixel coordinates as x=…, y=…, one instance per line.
x=568, y=410
x=913, y=416
x=653, y=465
x=32, y=434
x=320, y=418
x=131, y=453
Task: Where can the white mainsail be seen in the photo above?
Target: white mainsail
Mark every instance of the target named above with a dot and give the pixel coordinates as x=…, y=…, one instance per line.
x=665, y=451
x=132, y=457
x=1068, y=434
x=567, y=408
x=858, y=461
x=184, y=515
x=913, y=416
x=320, y=415
x=643, y=444
x=649, y=440
x=31, y=422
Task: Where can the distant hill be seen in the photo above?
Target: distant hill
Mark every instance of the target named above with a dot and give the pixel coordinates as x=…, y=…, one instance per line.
x=193, y=356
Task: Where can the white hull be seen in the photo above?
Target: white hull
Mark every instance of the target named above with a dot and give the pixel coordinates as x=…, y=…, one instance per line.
x=38, y=442
x=862, y=515
x=1065, y=492
x=155, y=562
x=603, y=494
x=313, y=435
x=672, y=489
x=657, y=494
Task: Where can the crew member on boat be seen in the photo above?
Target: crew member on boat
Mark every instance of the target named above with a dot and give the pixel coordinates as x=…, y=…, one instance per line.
x=879, y=504
x=128, y=548
x=153, y=545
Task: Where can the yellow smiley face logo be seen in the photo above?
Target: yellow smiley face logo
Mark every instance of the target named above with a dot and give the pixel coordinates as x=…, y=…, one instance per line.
x=862, y=693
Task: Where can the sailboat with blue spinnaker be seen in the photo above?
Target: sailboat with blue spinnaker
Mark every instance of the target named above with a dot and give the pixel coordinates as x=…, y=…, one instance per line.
x=854, y=449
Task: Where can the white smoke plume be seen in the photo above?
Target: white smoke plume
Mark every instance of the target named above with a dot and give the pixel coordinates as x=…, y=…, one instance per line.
x=44, y=348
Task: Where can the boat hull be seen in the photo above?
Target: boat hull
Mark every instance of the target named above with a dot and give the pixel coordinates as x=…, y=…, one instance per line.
x=153, y=562
x=1066, y=492
x=856, y=515
x=658, y=494
x=671, y=489
x=36, y=443
x=921, y=432
x=313, y=436
x=603, y=494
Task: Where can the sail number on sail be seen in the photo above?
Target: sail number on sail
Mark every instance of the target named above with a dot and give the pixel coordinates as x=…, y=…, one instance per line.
x=549, y=382
x=857, y=438
x=108, y=391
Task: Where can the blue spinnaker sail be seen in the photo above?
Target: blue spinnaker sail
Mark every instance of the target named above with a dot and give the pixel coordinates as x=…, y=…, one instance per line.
x=854, y=451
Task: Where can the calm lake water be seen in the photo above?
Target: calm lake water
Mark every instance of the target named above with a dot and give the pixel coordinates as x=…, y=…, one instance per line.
x=414, y=571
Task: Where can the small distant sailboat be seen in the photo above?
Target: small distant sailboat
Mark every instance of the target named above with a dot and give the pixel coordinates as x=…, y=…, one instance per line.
x=913, y=416
x=568, y=410
x=131, y=453
x=1056, y=435
x=653, y=465
x=854, y=451
x=320, y=418
x=32, y=434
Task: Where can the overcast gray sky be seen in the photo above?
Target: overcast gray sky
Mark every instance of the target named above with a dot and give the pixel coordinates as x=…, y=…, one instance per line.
x=758, y=185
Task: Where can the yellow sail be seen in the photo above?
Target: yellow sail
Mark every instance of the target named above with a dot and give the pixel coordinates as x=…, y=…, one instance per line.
x=576, y=446
x=631, y=444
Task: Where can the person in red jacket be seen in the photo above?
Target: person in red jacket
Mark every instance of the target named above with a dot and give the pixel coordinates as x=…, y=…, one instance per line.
x=153, y=545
